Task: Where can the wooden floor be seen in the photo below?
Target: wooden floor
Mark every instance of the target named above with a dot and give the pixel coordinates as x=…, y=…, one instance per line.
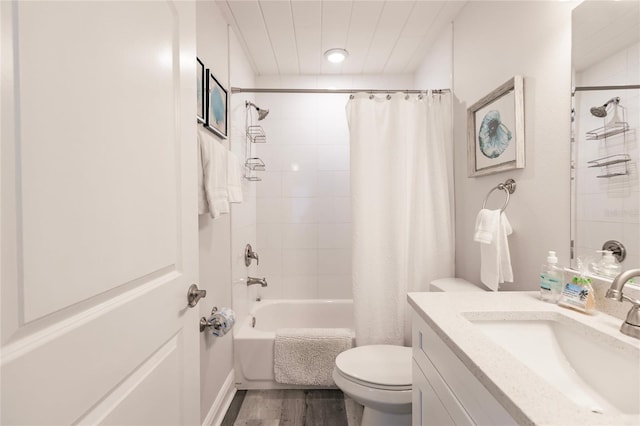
x=302, y=407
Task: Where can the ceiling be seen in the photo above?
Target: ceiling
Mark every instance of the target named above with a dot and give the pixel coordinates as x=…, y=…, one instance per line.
x=600, y=29
x=382, y=37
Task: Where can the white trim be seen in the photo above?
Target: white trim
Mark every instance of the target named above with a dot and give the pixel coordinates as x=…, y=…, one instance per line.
x=222, y=402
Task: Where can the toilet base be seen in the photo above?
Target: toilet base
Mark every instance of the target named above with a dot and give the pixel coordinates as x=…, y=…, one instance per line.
x=372, y=417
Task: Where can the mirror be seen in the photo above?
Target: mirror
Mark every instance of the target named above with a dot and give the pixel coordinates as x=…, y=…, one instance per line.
x=605, y=187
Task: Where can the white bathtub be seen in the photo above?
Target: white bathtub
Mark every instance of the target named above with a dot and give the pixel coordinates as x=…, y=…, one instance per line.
x=254, y=344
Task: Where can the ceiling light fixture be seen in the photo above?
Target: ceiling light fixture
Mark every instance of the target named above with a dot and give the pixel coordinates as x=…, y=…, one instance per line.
x=336, y=55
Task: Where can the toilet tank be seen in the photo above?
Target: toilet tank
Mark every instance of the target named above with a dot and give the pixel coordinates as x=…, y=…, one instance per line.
x=453, y=284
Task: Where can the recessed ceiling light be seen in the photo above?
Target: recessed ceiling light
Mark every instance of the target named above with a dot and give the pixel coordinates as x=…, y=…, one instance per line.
x=336, y=55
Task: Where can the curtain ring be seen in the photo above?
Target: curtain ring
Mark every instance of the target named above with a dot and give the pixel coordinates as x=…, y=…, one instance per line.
x=371, y=96
x=420, y=96
x=388, y=97
x=351, y=96
x=406, y=97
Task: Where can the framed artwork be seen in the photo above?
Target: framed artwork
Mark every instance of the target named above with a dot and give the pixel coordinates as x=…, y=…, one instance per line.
x=216, y=106
x=201, y=91
x=495, y=130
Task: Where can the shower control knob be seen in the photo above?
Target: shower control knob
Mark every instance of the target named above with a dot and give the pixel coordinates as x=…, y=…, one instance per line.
x=250, y=254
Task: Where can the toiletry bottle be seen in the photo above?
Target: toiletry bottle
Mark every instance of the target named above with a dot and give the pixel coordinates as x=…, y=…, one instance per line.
x=578, y=294
x=608, y=266
x=551, y=279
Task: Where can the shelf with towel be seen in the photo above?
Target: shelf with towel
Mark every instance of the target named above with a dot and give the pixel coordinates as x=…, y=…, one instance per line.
x=509, y=187
x=255, y=163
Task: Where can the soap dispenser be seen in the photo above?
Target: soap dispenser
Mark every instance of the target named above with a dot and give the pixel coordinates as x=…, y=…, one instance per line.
x=551, y=279
x=608, y=266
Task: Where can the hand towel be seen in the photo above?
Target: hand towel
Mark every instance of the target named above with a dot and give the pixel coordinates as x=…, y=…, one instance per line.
x=203, y=206
x=214, y=166
x=306, y=356
x=495, y=259
x=234, y=178
x=486, y=223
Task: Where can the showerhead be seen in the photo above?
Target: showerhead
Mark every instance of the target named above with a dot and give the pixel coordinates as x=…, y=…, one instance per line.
x=262, y=113
x=601, y=111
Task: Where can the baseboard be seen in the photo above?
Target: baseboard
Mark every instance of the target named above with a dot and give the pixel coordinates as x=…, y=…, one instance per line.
x=222, y=402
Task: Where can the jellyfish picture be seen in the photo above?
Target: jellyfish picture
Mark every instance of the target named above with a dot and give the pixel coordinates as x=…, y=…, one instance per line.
x=494, y=136
x=218, y=107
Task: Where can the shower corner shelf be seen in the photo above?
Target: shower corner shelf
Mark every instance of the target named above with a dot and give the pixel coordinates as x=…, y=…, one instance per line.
x=607, y=131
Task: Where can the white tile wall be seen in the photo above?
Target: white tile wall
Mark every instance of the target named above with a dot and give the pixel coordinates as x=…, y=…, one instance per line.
x=303, y=202
x=608, y=208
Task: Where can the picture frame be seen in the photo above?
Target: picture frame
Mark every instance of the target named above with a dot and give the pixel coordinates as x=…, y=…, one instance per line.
x=217, y=102
x=201, y=90
x=495, y=130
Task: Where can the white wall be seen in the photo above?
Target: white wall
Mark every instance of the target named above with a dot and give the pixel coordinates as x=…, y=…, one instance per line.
x=303, y=205
x=222, y=54
x=608, y=208
x=493, y=41
x=436, y=70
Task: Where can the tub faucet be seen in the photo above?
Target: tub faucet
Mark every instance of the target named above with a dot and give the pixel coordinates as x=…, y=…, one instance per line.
x=631, y=326
x=252, y=281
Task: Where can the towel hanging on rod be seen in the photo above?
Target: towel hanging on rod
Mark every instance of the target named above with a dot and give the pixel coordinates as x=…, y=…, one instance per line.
x=509, y=187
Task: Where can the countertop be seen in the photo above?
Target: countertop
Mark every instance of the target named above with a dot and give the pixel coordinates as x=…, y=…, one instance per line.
x=527, y=397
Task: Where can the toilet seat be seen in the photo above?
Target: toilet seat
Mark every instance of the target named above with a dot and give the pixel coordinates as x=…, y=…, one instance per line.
x=384, y=367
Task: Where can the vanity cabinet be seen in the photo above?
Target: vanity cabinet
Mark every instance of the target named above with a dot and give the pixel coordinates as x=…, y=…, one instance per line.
x=445, y=392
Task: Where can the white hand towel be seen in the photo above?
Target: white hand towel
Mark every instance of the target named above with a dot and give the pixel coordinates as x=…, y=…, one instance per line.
x=214, y=165
x=486, y=223
x=234, y=179
x=203, y=206
x=495, y=260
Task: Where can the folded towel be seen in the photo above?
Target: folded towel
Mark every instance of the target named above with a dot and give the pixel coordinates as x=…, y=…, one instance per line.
x=234, y=179
x=214, y=166
x=203, y=206
x=495, y=260
x=306, y=356
x=486, y=223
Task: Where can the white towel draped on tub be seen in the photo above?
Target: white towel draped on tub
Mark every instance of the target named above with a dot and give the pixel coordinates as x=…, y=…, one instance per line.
x=306, y=356
x=492, y=229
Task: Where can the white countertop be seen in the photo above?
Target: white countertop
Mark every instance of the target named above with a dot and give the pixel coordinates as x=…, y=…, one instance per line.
x=527, y=397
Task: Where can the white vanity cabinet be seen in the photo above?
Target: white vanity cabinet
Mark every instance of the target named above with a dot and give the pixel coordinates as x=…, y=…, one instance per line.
x=445, y=392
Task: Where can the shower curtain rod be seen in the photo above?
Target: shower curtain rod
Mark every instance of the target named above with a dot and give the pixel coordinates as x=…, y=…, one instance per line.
x=331, y=91
x=622, y=87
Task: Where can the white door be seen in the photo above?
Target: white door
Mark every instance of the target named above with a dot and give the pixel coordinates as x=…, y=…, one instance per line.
x=99, y=222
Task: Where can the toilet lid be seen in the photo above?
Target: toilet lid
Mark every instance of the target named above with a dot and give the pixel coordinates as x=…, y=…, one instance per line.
x=385, y=366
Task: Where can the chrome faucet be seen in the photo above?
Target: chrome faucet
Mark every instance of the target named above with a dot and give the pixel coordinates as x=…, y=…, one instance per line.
x=631, y=326
x=252, y=281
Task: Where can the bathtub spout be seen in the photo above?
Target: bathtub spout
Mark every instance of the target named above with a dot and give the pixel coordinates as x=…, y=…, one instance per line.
x=252, y=281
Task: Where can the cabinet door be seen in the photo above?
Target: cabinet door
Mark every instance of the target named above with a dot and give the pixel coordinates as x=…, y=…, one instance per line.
x=427, y=409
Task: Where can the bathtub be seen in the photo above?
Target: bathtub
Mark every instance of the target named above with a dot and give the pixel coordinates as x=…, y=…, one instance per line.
x=254, y=337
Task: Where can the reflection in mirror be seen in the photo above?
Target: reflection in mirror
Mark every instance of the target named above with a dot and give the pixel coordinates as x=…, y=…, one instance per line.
x=605, y=186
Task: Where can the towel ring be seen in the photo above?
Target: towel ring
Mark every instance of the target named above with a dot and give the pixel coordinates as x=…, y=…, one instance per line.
x=509, y=187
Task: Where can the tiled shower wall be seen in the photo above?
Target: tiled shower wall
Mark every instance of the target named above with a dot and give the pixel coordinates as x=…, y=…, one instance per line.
x=608, y=208
x=303, y=201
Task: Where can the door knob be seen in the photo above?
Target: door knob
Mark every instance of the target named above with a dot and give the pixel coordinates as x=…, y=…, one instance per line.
x=194, y=295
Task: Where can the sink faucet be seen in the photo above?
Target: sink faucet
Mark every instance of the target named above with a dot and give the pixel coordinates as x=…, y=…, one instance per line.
x=631, y=326
x=252, y=281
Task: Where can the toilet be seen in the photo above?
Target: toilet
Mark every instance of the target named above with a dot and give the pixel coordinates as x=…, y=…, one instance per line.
x=379, y=376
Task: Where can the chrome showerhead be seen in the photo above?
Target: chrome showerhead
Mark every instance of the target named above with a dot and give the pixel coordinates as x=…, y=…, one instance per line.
x=601, y=111
x=262, y=112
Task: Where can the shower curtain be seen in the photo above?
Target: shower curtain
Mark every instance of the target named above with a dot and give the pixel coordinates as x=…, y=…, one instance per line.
x=402, y=231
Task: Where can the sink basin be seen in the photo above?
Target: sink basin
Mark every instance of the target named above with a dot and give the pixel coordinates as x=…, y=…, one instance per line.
x=589, y=367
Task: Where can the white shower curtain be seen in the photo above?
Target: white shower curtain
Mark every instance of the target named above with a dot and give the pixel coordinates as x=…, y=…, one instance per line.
x=401, y=192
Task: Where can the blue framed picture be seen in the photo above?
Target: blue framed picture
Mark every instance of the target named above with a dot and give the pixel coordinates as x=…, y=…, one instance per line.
x=216, y=106
x=201, y=88
x=495, y=130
